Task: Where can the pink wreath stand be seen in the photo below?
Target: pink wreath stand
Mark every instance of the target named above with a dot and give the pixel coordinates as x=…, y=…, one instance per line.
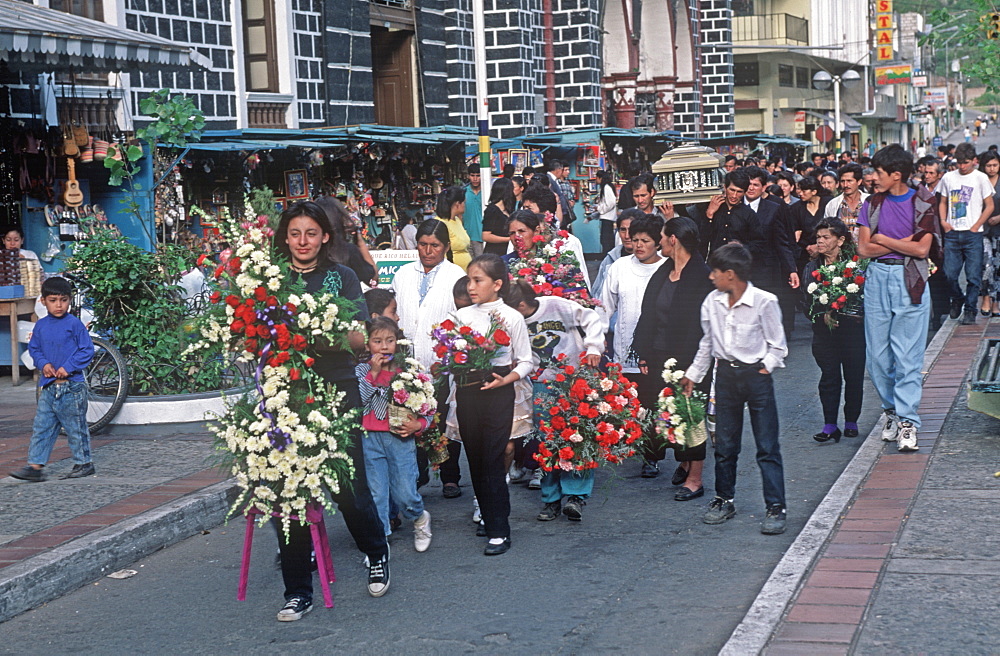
x=321, y=545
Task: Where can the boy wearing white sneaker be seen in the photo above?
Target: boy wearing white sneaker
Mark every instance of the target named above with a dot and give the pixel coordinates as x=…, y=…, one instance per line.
x=898, y=230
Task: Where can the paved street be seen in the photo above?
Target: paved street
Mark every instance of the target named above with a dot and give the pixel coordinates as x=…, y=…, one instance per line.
x=641, y=572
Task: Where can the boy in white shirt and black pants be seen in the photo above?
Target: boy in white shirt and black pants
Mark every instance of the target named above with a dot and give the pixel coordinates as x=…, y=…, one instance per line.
x=742, y=330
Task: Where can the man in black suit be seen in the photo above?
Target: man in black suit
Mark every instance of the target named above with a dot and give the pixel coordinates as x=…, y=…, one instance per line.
x=726, y=218
x=773, y=261
x=555, y=175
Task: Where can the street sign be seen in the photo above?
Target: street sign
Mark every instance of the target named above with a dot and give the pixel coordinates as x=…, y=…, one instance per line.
x=936, y=97
x=937, y=142
x=885, y=27
x=824, y=133
x=898, y=74
x=919, y=81
x=800, y=122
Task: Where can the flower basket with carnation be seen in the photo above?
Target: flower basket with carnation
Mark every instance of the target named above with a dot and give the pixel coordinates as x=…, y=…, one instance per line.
x=680, y=419
x=464, y=353
x=553, y=270
x=591, y=417
x=285, y=441
x=837, y=289
x=412, y=393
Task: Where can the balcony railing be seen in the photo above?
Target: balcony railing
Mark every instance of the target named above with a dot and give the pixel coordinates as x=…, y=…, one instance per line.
x=266, y=114
x=771, y=30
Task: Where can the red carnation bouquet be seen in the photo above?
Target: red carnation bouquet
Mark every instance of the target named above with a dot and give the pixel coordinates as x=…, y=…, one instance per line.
x=837, y=288
x=591, y=417
x=552, y=270
x=466, y=354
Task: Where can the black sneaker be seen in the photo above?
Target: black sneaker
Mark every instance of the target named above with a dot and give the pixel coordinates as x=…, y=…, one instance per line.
x=956, y=309
x=29, y=473
x=719, y=510
x=650, y=470
x=574, y=508
x=968, y=318
x=774, y=521
x=294, y=608
x=378, y=576
x=549, y=512
x=79, y=471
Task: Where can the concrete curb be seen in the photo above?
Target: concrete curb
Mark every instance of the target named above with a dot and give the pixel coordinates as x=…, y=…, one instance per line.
x=752, y=634
x=65, y=568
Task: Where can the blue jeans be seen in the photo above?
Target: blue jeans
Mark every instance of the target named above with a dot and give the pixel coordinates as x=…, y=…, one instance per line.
x=391, y=466
x=61, y=406
x=896, y=337
x=964, y=247
x=734, y=388
x=557, y=484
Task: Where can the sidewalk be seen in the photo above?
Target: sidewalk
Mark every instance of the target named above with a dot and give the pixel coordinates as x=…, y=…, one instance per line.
x=60, y=534
x=911, y=561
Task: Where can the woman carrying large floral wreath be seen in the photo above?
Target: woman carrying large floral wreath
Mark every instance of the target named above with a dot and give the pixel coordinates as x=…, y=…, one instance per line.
x=302, y=235
x=833, y=282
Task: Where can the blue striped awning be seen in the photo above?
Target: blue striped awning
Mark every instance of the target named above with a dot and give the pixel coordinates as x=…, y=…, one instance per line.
x=39, y=39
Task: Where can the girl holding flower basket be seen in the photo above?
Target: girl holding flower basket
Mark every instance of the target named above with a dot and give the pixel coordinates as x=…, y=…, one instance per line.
x=485, y=408
x=390, y=452
x=834, y=284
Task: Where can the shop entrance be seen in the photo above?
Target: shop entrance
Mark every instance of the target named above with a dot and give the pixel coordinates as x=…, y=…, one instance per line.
x=392, y=72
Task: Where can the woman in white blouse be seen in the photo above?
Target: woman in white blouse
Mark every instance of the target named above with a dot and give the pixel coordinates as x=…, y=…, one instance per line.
x=424, y=298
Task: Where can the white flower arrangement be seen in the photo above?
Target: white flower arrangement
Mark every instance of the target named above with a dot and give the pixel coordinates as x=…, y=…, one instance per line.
x=285, y=440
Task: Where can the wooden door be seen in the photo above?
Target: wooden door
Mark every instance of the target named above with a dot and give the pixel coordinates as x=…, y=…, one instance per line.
x=392, y=70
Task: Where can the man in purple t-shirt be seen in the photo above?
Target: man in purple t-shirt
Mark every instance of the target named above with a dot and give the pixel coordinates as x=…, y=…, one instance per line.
x=896, y=231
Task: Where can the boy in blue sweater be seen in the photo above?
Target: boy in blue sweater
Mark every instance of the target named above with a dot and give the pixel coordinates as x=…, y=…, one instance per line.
x=61, y=347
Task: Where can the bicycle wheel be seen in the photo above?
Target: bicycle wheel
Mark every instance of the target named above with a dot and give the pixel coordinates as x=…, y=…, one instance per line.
x=108, y=383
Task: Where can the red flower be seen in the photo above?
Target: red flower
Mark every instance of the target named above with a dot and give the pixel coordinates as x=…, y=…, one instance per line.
x=826, y=283
x=667, y=391
x=294, y=374
x=464, y=330
x=201, y=259
x=461, y=358
x=309, y=362
x=234, y=265
x=299, y=342
x=310, y=399
x=291, y=308
x=260, y=293
x=566, y=453
x=560, y=378
x=480, y=339
x=817, y=275
x=448, y=324
x=272, y=301
x=237, y=326
x=218, y=271
x=231, y=300
x=502, y=338
x=215, y=297
x=859, y=279
x=548, y=268
x=842, y=299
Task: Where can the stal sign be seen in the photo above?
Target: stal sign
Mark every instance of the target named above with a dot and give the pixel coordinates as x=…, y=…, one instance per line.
x=884, y=30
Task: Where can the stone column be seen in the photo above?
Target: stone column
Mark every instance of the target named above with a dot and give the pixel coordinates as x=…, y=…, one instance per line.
x=623, y=99
x=664, y=89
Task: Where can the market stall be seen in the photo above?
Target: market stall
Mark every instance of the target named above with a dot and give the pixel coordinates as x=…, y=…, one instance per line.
x=385, y=176
x=625, y=153
x=61, y=116
x=760, y=145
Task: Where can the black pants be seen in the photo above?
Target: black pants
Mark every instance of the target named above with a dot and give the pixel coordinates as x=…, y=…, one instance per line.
x=356, y=506
x=840, y=355
x=485, y=418
x=736, y=388
x=607, y=236
x=450, y=470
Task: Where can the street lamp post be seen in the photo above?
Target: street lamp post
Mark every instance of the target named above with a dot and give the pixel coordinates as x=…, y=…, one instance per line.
x=822, y=81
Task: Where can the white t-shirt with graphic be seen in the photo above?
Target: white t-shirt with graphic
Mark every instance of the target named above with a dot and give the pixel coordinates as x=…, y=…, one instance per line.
x=965, y=194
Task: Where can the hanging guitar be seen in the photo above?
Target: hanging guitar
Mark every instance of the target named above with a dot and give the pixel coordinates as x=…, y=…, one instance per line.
x=72, y=195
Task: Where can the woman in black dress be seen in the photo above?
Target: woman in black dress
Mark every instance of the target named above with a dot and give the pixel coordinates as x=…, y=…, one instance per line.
x=670, y=327
x=502, y=205
x=303, y=235
x=804, y=216
x=838, y=340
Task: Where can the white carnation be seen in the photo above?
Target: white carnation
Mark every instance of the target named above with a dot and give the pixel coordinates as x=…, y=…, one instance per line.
x=837, y=280
x=824, y=299
x=812, y=287
x=852, y=288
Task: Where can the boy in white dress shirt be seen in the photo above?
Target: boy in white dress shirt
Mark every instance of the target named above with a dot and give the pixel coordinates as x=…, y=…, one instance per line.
x=742, y=330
